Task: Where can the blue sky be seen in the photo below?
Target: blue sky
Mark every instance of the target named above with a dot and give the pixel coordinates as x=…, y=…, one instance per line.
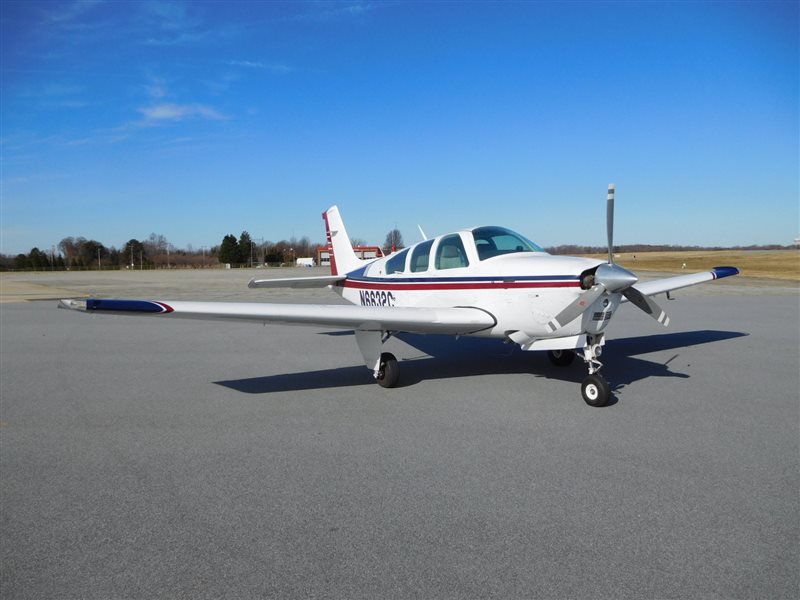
x=195, y=120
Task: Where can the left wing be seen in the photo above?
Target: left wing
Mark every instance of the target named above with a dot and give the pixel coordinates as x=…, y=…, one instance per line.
x=455, y=321
x=669, y=284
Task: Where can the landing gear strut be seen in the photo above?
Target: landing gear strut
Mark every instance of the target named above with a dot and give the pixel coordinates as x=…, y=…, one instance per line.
x=594, y=389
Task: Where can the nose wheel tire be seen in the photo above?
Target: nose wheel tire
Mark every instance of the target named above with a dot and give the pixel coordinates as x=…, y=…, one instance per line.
x=388, y=371
x=595, y=390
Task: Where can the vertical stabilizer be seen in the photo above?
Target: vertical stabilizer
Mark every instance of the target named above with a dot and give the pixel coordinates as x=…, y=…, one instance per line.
x=343, y=259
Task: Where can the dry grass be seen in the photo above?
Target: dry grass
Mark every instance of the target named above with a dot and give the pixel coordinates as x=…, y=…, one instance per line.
x=768, y=264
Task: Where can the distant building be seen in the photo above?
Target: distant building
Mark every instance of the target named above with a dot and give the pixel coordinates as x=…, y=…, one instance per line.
x=363, y=252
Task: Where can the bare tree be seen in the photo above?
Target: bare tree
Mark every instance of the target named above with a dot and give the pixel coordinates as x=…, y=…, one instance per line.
x=394, y=241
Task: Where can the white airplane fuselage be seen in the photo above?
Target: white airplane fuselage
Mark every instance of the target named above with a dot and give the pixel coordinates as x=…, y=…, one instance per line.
x=522, y=291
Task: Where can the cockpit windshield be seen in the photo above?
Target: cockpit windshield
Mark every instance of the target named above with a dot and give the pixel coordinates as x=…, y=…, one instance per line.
x=494, y=241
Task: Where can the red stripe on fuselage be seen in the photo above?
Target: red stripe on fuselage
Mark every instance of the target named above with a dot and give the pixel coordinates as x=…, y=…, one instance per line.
x=465, y=285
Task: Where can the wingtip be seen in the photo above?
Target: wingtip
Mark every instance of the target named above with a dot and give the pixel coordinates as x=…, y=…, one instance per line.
x=71, y=304
x=720, y=272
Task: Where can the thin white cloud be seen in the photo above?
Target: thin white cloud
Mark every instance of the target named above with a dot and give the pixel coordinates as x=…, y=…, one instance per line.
x=169, y=112
x=253, y=64
x=156, y=88
x=326, y=11
x=68, y=12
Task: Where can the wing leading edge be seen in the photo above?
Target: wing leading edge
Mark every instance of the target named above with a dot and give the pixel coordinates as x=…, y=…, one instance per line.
x=454, y=321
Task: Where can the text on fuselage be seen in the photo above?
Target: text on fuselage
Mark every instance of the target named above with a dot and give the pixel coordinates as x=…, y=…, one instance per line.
x=376, y=298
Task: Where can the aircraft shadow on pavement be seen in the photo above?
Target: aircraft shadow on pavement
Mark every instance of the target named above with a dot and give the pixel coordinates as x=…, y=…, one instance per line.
x=446, y=357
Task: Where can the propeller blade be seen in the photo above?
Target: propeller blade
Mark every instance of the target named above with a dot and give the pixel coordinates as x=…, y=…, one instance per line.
x=576, y=308
x=646, y=304
x=610, y=222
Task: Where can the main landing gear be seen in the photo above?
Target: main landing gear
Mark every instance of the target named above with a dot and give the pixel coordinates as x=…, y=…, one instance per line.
x=383, y=364
x=594, y=389
x=388, y=372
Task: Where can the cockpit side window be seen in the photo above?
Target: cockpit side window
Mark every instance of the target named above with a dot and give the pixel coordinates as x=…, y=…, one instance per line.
x=396, y=263
x=420, y=257
x=450, y=253
x=494, y=241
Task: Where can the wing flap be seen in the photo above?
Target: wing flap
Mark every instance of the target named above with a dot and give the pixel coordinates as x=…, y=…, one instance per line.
x=456, y=320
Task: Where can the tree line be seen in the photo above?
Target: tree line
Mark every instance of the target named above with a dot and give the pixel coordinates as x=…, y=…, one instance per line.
x=572, y=249
x=79, y=253
x=156, y=252
x=247, y=251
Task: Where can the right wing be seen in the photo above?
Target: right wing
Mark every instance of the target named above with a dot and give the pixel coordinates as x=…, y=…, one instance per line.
x=454, y=321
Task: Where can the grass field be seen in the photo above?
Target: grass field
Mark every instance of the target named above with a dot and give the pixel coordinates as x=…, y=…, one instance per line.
x=770, y=264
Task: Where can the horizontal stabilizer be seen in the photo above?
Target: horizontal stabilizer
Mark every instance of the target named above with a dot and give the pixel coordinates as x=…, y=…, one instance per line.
x=297, y=282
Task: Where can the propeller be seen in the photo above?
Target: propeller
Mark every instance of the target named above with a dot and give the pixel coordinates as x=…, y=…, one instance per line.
x=609, y=278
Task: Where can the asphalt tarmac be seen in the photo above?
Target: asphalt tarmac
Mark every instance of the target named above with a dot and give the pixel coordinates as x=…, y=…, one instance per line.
x=148, y=458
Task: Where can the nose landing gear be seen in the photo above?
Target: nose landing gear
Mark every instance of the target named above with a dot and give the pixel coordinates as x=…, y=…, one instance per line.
x=594, y=389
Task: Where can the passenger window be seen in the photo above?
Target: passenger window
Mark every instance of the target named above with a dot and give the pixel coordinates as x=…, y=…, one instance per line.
x=397, y=263
x=420, y=257
x=450, y=254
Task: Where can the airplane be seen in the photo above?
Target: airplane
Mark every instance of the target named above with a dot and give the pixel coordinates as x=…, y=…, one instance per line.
x=485, y=281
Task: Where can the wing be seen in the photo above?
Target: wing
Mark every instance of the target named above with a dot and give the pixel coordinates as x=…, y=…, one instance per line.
x=668, y=284
x=297, y=282
x=461, y=320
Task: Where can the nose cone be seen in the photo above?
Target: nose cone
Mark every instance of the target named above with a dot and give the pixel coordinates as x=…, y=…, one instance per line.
x=614, y=278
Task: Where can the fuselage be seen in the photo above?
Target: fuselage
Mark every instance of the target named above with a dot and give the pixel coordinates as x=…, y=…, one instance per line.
x=490, y=268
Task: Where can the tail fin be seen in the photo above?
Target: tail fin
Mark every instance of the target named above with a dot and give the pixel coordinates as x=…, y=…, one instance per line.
x=343, y=258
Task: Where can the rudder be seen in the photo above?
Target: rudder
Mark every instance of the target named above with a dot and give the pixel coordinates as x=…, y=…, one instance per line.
x=343, y=258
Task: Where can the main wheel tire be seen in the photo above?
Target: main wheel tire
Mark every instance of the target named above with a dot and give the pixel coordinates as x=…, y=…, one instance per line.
x=595, y=390
x=389, y=371
x=561, y=358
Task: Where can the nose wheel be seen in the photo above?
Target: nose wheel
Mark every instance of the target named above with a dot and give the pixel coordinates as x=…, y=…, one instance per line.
x=594, y=389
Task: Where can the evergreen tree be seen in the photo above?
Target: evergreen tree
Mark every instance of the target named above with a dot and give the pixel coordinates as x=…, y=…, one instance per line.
x=245, y=248
x=229, y=250
x=133, y=253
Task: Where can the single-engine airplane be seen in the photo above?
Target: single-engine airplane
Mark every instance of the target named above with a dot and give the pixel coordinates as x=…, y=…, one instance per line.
x=485, y=281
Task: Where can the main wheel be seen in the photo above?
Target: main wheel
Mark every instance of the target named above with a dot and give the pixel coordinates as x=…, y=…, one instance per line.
x=389, y=371
x=595, y=390
x=561, y=358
